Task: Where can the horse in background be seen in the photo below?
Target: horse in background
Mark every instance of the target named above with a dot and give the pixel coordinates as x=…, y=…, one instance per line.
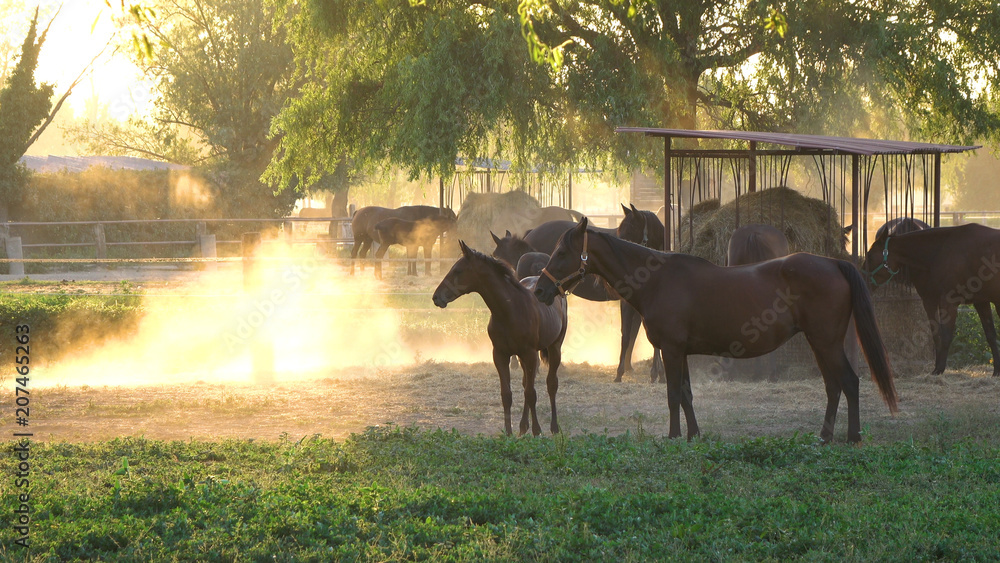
x=948, y=267
x=751, y=244
x=413, y=235
x=364, y=221
x=692, y=306
x=519, y=326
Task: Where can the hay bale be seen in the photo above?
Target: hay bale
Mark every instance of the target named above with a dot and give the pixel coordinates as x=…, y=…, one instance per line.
x=693, y=219
x=482, y=213
x=809, y=224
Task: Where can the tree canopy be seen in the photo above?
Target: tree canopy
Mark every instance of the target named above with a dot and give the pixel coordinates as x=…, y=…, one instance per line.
x=222, y=70
x=420, y=85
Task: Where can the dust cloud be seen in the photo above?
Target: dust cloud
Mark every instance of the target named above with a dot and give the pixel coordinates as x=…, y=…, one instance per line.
x=305, y=318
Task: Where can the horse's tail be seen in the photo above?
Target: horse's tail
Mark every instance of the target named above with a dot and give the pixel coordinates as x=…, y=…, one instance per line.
x=868, y=334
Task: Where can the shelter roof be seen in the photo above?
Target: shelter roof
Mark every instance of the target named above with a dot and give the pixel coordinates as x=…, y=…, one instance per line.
x=808, y=143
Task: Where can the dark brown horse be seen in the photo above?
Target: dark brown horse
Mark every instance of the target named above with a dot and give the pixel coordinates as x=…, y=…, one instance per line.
x=413, y=235
x=638, y=226
x=519, y=326
x=948, y=266
x=364, y=221
x=691, y=306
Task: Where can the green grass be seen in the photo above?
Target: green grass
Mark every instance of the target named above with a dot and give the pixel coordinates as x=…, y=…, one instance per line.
x=403, y=494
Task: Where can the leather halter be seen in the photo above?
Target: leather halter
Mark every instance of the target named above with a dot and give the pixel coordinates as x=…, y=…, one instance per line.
x=884, y=264
x=561, y=285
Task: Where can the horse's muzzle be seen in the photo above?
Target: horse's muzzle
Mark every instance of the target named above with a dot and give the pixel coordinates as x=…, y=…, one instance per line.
x=440, y=300
x=546, y=294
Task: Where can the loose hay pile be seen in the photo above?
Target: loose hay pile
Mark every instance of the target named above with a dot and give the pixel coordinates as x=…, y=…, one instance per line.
x=809, y=224
x=482, y=213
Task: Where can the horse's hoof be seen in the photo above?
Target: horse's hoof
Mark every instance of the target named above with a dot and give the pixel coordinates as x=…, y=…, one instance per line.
x=619, y=379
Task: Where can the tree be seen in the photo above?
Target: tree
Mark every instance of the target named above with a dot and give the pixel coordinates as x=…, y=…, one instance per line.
x=222, y=69
x=24, y=106
x=420, y=85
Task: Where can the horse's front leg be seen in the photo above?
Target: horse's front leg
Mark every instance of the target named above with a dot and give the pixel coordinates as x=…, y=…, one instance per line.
x=501, y=360
x=630, y=330
x=989, y=329
x=529, y=366
x=552, y=382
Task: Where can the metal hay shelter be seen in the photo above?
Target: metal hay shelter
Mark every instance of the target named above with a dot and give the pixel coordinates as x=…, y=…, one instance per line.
x=845, y=169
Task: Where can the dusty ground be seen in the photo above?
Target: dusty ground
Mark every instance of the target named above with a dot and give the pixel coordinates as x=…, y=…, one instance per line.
x=466, y=397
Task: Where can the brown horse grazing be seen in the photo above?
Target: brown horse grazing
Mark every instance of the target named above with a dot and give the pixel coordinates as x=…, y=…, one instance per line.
x=412, y=235
x=691, y=306
x=948, y=266
x=519, y=326
x=364, y=221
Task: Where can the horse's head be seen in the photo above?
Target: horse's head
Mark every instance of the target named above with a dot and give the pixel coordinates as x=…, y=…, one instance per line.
x=641, y=227
x=510, y=248
x=878, y=267
x=460, y=278
x=566, y=265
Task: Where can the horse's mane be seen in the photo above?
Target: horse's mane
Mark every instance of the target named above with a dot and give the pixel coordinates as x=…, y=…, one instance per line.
x=499, y=266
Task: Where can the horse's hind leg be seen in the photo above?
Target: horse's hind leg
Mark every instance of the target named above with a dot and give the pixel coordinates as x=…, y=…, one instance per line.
x=411, y=264
x=687, y=400
x=989, y=329
x=500, y=361
x=427, y=259
x=529, y=366
x=679, y=393
x=838, y=377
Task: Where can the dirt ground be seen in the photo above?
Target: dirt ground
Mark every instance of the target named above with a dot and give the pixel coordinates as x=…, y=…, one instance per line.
x=465, y=396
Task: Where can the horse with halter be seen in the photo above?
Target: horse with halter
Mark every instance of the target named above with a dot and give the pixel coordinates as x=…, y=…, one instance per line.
x=364, y=221
x=519, y=326
x=638, y=226
x=691, y=306
x=948, y=266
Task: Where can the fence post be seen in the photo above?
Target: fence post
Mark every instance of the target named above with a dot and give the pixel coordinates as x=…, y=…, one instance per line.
x=102, y=244
x=207, y=246
x=251, y=247
x=14, y=252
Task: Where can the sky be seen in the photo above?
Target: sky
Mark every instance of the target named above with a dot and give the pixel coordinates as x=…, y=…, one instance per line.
x=81, y=29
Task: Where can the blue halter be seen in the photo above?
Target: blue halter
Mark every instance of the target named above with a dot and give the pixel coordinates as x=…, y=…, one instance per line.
x=884, y=264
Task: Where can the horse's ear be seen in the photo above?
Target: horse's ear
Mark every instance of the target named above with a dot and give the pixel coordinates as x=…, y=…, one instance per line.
x=634, y=210
x=848, y=230
x=496, y=239
x=466, y=251
x=626, y=209
x=582, y=225
x=508, y=235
